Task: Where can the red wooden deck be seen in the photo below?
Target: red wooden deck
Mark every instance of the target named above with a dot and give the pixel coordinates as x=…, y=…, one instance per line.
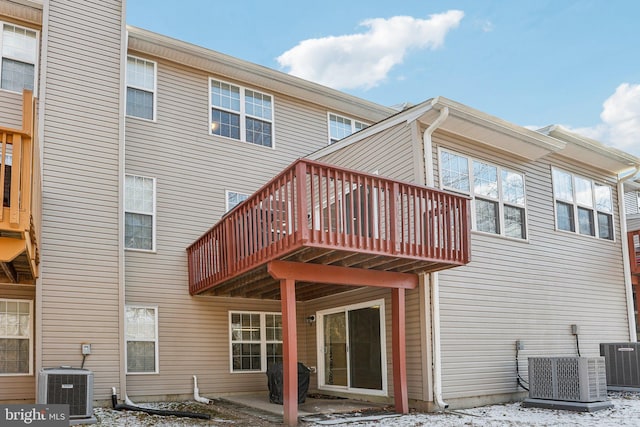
x=323, y=214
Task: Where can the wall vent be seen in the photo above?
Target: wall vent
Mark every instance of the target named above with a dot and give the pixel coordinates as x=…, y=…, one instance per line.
x=573, y=379
x=623, y=365
x=67, y=386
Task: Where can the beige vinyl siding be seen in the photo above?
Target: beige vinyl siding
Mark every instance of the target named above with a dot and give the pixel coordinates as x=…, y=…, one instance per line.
x=528, y=290
x=389, y=152
x=633, y=223
x=515, y=290
x=10, y=109
x=631, y=203
x=20, y=388
x=192, y=170
x=79, y=268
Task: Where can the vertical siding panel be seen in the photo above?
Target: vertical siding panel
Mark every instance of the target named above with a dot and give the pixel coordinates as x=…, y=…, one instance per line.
x=80, y=250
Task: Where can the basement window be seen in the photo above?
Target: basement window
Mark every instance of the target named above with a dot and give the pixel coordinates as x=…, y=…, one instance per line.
x=255, y=340
x=141, y=324
x=16, y=338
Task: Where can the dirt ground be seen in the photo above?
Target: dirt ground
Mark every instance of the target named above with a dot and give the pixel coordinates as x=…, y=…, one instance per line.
x=222, y=413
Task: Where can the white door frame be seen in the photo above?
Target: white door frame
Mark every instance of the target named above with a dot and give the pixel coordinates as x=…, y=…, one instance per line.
x=321, y=348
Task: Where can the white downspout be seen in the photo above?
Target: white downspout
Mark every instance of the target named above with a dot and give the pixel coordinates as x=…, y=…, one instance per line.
x=434, y=283
x=626, y=260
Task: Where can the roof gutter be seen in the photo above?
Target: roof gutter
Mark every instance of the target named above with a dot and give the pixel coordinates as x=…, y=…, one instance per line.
x=434, y=281
x=626, y=257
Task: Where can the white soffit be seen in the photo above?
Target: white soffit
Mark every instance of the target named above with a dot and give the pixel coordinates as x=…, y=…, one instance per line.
x=592, y=152
x=245, y=72
x=492, y=131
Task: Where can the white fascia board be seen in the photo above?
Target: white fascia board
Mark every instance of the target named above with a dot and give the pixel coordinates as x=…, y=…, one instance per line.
x=593, y=152
x=477, y=117
x=406, y=116
x=213, y=62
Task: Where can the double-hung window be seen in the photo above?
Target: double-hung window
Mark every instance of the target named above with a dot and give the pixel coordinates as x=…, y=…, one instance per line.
x=141, y=88
x=140, y=212
x=256, y=340
x=341, y=127
x=582, y=206
x=19, y=53
x=499, y=204
x=241, y=113
x=16, y=337
x=234, y=199
x=141, y=331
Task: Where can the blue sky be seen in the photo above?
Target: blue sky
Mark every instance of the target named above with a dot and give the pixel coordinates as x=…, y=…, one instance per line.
x=534, y=63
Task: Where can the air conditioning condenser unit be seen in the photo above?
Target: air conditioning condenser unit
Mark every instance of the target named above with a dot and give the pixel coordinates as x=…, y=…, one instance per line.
x=574, y=383
x=68, y=386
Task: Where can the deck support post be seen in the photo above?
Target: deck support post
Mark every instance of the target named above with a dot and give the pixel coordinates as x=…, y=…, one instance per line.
x=290, y=351
x=399, y=351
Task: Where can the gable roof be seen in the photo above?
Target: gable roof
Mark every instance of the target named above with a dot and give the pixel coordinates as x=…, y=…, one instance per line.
x=213, y=62
x=590, y=151
x=500, y=134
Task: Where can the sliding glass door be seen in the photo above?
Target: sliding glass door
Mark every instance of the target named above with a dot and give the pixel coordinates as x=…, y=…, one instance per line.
x=351, y=348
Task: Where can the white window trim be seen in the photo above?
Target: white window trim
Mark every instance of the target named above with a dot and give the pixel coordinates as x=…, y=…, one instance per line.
x=226, y=198
x=499, y=200
x=353, y=126
x=31, y=320
x=576, y=205
x=153, y=220
x=243, y=115
x=36, y=63
x=263, y=340
x=383, y=348
x=154, y=91
x=156, y=340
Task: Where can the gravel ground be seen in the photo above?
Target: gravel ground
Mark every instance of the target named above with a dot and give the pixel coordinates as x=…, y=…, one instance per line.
x=625, y=412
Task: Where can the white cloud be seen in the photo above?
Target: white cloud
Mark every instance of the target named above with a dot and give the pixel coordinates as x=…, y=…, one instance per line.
x=487, y=26
x=363, y=60
x=620, y=117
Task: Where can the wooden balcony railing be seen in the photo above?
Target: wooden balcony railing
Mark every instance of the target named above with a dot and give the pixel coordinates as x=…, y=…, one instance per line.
x=633, y=238
x=328, y=208
x=20, y=194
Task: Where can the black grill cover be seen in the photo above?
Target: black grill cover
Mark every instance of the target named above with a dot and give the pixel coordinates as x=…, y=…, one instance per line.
x=275, y=382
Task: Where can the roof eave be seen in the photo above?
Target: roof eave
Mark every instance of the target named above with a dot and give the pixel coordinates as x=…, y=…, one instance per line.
x=210, y=61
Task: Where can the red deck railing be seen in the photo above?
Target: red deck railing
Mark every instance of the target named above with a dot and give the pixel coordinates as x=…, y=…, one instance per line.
x=311, y=204
x=634, y=250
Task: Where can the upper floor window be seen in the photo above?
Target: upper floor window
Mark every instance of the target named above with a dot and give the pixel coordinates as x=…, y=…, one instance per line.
x=140, y=212
x=141, y=88
x=141, y=330
x=241, y=113
x=341, y=127
x=19, y=51
x=16, y=338
x=582, y=206
x=234, y=199
x=498, y=193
